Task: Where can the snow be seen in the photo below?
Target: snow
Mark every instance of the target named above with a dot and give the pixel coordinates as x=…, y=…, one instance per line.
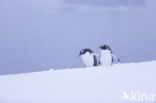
x=81, y=85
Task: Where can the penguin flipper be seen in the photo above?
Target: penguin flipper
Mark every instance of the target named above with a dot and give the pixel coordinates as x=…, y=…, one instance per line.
x=95, y=61
x=114, y=56
x=112, y=61
x=118, y=60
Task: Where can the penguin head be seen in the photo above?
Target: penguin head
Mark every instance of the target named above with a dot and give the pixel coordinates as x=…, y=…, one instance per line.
x=105, y=47
x=84, y=51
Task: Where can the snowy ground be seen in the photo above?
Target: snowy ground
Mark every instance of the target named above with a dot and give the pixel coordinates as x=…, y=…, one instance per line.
x=81, y=85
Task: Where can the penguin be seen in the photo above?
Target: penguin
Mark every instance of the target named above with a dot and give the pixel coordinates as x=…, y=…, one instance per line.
x=88, y=57
x=107, y=56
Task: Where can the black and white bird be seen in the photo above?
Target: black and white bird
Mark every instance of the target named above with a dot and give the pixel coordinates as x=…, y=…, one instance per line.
x=107, y=56
x=88, y=57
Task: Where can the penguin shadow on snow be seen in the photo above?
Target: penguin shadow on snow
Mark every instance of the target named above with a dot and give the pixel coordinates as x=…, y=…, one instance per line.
x=106, y=57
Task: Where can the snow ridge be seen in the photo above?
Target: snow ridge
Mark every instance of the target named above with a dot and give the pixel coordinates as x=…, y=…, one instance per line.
x=81, y=85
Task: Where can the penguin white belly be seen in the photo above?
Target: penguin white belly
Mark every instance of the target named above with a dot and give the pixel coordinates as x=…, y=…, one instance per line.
x=88, y=59
x=106, y=58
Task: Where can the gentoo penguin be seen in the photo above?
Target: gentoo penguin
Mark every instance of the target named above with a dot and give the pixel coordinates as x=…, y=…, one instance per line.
x=106, y=58
x=88, y=57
